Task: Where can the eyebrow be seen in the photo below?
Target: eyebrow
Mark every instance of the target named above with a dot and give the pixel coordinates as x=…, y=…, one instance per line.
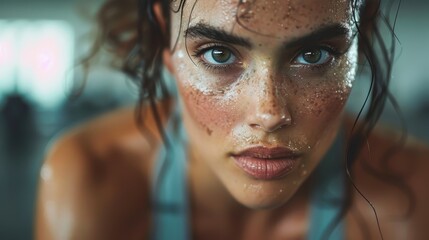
x=202, y=30
x=326, y=32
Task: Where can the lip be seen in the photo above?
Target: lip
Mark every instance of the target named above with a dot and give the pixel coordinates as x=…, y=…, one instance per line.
x=266, y=163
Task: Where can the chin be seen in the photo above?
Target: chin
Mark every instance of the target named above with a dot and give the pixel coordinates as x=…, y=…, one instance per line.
x=264, y=202
x=263, y=195
x=268, y=205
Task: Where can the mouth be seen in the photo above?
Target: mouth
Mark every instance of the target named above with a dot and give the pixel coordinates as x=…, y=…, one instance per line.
x=267, y=163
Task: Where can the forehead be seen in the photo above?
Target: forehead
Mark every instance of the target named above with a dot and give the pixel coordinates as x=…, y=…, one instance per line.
x=274, y=18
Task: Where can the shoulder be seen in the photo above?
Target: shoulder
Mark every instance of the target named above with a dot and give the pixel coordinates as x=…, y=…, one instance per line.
x=394, y=153
x=115, y=138
x=100, y=172
x=392, y=173
x=111, y=140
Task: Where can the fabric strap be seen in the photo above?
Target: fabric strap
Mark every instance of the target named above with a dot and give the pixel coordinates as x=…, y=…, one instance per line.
x=328, y=194
x=170, y=193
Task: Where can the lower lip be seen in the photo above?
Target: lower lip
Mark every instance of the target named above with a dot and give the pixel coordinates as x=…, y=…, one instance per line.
x=266, y=169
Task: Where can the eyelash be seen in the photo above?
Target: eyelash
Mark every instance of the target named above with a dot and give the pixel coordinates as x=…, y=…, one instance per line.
x=199, y=52
x=333, y=54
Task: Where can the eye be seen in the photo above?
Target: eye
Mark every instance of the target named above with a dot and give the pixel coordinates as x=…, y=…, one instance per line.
x=313, y=56
x=218, y=56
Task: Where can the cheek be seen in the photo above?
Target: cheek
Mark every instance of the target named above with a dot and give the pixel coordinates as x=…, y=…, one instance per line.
x=325, y=101
x=209, y=109
x=213, y=113
x=324, y=98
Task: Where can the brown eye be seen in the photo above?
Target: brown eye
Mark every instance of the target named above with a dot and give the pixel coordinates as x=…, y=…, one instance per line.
x=314, y=56
x=219, y=56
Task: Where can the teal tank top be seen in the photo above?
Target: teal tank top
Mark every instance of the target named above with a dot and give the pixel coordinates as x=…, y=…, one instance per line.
x=170, y=193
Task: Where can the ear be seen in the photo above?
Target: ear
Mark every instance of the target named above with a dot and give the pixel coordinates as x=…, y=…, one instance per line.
x=166, y=53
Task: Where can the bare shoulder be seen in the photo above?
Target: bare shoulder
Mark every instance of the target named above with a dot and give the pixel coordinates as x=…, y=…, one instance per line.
x=393, y=176
x=408, y=158
x=95, y=181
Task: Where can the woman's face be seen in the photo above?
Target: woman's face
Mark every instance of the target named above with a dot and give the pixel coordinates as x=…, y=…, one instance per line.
x=263, y=85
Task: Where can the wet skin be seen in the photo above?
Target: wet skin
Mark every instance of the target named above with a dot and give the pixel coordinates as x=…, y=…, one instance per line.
x=284, y=75
x=286, y=71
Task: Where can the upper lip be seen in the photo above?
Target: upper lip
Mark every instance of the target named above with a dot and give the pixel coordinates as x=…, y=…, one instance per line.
x=268, y=152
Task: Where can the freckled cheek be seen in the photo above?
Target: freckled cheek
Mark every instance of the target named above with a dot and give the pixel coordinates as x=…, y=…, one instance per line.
x=212, y=113
x=323, y=103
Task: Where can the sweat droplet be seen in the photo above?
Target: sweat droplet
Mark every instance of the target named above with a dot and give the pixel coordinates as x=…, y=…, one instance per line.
x=46, y=173
x=180, y=54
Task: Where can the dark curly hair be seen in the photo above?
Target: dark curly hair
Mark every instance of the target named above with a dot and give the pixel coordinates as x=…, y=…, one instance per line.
x=130, y=30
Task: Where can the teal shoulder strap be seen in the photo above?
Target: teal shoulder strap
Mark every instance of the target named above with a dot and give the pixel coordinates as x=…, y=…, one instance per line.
x=170, y=193
x=328, y=193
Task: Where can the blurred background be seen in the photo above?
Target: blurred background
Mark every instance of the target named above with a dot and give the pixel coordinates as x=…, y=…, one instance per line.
x=41, y=42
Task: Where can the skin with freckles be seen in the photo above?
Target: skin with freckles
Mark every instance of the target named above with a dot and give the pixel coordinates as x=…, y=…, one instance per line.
x=267, y=75
x=267, y=94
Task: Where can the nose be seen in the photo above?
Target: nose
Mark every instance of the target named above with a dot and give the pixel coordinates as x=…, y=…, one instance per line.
x=268, y=110
x=270, y=122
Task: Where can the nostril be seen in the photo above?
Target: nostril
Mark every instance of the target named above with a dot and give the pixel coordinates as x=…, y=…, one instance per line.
x=254, y=125
x=281, y=122
x=270, y=122
x=269, y=109
x=287, y=120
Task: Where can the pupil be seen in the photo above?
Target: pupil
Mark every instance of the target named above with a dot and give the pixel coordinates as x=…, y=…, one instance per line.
x=312, y=56
x=221, y=55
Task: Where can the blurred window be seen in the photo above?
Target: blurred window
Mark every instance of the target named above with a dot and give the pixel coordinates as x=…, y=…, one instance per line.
x=36, y=59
